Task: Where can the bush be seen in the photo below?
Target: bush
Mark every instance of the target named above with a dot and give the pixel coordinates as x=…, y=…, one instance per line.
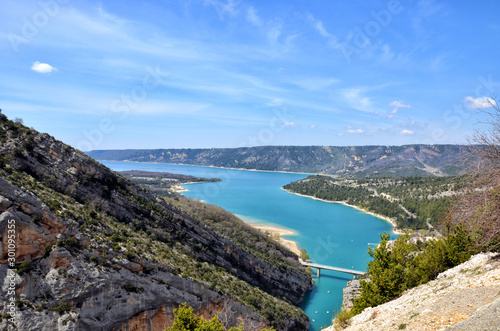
x=61, y=308
x=186, y=320
x=341, y=321
x=403, y=265
x=24, y=267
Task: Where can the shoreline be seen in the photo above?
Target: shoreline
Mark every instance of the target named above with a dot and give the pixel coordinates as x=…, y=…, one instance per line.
x=292, y=245
x=395, y=230
x=275, y=230
x=207, y=166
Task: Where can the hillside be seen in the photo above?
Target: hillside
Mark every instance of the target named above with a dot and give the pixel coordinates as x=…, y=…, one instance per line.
x=163, y=183
x=464, y=298
x=361, y=161
x=95, y=251
x=409, y=202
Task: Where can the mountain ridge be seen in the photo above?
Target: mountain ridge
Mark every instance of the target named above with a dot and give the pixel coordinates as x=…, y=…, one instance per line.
x=357, y=161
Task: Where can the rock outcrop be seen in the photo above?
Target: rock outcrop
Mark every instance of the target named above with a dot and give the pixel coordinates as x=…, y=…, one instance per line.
x=350, y=292
x=466, y=297
x=95, y=251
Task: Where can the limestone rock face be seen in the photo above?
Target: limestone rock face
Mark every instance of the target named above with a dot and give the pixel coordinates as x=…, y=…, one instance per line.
x=66, y=207
x=112, y=298
x=350, y=292
x=35, y=226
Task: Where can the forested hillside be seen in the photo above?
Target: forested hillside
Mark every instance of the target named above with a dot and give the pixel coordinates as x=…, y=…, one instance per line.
x=162, y=183
x=359, y=161
x=411, y=201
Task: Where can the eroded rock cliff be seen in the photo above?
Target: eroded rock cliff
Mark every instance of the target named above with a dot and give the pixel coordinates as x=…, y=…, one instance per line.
x=107, y=254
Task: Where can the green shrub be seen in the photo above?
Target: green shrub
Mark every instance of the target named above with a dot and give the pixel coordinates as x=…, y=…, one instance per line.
x=24, y=267
x=403, y=265
x=61, y=308
x=341, y=321
x=186, y=320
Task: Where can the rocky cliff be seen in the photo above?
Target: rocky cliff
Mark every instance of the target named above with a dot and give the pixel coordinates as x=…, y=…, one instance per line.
x=95, y=251
x=466, y=297
x=409, y=160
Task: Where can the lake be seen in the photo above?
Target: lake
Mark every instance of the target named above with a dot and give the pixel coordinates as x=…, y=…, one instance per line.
x=332, y=234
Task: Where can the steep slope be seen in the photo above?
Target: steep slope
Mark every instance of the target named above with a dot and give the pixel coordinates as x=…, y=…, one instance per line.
x=95, y=251
x=466, y=297
x=409, y=160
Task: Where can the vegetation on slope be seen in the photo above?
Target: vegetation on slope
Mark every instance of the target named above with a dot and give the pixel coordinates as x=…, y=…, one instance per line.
x=411, y=201
x=186, y=320
x=161, y=183
x=230, y=226
x=146, y=232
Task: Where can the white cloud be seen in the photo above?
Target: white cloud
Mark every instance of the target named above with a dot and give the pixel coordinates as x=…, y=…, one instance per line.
x=320, y=28
x=387, y=54
x=253, y=18
x=274, y=33
x=357, y=131
x=483, y=102
x=229, y=8
x=291, y=124
x=356, y=99
x=399, y=104
x=407, y=132
x=43, y=68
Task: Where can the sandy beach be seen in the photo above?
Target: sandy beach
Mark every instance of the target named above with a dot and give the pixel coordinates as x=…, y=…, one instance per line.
x=385, y=218
x=290, y=244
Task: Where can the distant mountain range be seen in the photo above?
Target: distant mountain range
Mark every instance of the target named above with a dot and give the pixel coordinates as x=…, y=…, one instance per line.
x=358, y=161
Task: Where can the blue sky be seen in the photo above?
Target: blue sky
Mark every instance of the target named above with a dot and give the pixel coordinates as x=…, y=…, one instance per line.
x=230, y=73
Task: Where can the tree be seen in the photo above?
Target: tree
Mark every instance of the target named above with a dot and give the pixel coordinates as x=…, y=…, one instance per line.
x=401, y=265
x=303, y=254
x=479, y=207
x=389, y=270
x=186, y=320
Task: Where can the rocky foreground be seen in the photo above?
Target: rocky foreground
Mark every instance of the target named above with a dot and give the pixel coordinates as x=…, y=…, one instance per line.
x=466, y=297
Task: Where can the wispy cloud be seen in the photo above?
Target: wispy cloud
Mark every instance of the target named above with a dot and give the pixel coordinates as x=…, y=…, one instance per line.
x=407, y=132
x=480, y=103
x=356, y=99
x=290, y=124
x=253, y=17
x=319, y=26
x=356, y=131
x=396, y=105
x=43, y=68
x=224, y=8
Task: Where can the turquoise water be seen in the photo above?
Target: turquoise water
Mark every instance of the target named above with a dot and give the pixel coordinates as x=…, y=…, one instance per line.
x=332, y=234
